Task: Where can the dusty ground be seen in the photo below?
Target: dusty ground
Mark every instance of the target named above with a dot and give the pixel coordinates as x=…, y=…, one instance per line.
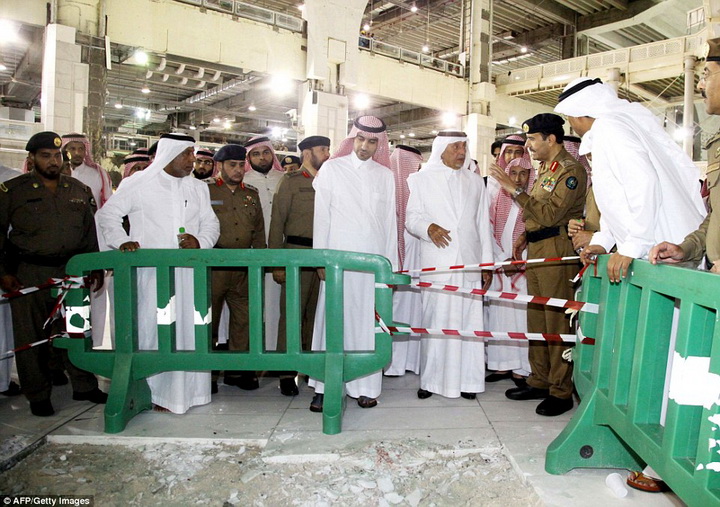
x=385, y=473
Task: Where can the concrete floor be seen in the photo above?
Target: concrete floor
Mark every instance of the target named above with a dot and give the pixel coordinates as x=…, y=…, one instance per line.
x=286, y=428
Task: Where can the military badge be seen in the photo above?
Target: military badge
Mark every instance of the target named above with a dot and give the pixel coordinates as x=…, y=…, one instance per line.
x=571, y=183
x=57, y=141
x=548, y=184
x=526, y=128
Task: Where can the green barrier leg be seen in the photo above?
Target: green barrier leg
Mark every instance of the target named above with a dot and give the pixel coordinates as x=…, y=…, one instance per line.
x=127, y=397
x=334, y=394
x=584, y=444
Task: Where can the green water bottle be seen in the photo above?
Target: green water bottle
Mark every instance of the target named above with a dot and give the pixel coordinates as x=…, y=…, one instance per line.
x=181, y=231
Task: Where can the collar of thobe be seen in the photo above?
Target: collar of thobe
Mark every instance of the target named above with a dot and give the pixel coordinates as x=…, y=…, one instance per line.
x=586, y=143
x=356, y=162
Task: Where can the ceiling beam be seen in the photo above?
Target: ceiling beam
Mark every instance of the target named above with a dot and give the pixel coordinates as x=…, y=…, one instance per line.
x=548, y=8
x=615, y=19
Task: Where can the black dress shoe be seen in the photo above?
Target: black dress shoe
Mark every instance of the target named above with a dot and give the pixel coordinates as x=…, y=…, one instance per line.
x=12, y=390
x=423, y=394
x=365, y=402
x=244, y=382
x=288, y=387
x=42, y=408
x=469, y=396
x=497, y=377
x=316, y=405
x=59, y=378
x=552, y=406
x=213, y=387
x=94, y=396
x=527, y=393
x=520, y=381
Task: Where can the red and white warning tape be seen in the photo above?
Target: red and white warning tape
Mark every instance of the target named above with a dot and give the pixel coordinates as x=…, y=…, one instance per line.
x=490, y=265
x=548, y=337
x=525, y=298
x=11, y=353
x=69, y=282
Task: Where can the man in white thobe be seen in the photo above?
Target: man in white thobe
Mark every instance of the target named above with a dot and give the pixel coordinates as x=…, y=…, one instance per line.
x=159, y=202
x=646, y=188
x=448, y=211
x=509, y=360
x=264, y=172
x=407, y=303
x=355, y=211
x=77, y=148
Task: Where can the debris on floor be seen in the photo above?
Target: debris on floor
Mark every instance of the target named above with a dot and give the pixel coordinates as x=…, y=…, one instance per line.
x=384, y=473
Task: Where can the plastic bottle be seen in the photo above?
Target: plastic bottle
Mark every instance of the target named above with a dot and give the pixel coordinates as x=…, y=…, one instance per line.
x=181, y=231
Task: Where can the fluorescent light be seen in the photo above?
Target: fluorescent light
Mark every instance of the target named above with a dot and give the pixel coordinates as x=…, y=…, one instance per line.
x=192, y=127
x=252, y=109
x=449, y=119
x=361, y=101
x=414, y=8
x=3, y=67
x=118, y=105
x=140, y=57
x=402, y=136
x=425, y=48
x=366, y=26
x=411, y=134
x=282, y=85
x=512, y=120
x=145, y=89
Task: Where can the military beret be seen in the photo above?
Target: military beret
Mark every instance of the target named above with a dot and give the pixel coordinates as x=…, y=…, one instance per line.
x=230, y=152
x=290, y=159
x=713, y=50
x=43, y=140
x=204, y=153
x=312, y=141
x=546, y=123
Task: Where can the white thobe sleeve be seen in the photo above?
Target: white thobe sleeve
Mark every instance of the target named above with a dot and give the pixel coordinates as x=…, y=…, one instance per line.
x=416, y=222
x=603, y=237
x=109, y=219
x=323, y=199
x=209, y=225
x=632, y=168
x=391, y=239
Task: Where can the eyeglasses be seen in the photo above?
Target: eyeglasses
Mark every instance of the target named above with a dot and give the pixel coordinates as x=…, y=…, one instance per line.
x=205, y=162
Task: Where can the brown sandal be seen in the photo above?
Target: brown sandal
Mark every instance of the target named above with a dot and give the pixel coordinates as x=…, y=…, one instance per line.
x=365, y=402
x=158, y=408
x=642, y=482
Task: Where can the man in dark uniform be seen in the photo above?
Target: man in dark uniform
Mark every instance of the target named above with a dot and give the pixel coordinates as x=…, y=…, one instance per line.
x=45, y=218
x=291, y=226
x=290, y=163
x=704, y=243
x=238, y=209
x=557, y=196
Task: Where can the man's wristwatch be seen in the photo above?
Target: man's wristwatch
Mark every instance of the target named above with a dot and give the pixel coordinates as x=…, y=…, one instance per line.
x=517, y=192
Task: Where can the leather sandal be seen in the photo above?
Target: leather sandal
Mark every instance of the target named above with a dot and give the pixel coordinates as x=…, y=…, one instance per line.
x=639, y=480
x=365, y=402
x=316, y=405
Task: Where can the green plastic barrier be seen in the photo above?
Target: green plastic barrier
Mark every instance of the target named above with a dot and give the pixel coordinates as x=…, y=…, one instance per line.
x=128, y=367
x=621, y=379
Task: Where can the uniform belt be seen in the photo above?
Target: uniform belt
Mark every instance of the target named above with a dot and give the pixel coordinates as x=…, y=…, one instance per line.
x=541, y=234
x=50, y=261
x=299, y=240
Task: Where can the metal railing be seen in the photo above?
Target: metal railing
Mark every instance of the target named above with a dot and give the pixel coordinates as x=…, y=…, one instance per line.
x=249, y=11
x=406, y=55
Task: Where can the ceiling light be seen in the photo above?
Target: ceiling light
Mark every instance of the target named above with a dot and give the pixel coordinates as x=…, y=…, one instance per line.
x=145, y=89
x=139, y=113
x=9, y=31
x=133, y=143
x=523, y=49
x=227, y=125
x=433, y=131
x=282, y=85
x=366, y=26
x=252, y=109
x=3, y=67
x=414, y=8
x=512, y=120
x=449, y=119
x=216, y=120
x=301, y=7
x=412, y=134
x=361, y=101
x=140, y=56
x=192, y=127
x=118, y=105
x=402, y=136
x=425, y=48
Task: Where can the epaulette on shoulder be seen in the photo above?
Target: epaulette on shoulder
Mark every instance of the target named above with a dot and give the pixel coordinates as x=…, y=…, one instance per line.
x=712, y=140
x=250, y=187
x=23, y=179
x=569, y=161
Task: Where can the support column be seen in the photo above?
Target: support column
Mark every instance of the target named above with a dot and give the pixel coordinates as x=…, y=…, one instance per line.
x=97, y=94
x=689, y=106
x=64, y=81
x=478, y=124
x=324, y=114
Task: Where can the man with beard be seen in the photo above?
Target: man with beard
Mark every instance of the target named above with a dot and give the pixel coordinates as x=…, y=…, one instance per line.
x=292, y=227
x=238, y=209
x=204, y=169
x=264, y=172
x=355, y=211
x=159, y=202
x=77, y=147
x=45, y=219
x=557, y=196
